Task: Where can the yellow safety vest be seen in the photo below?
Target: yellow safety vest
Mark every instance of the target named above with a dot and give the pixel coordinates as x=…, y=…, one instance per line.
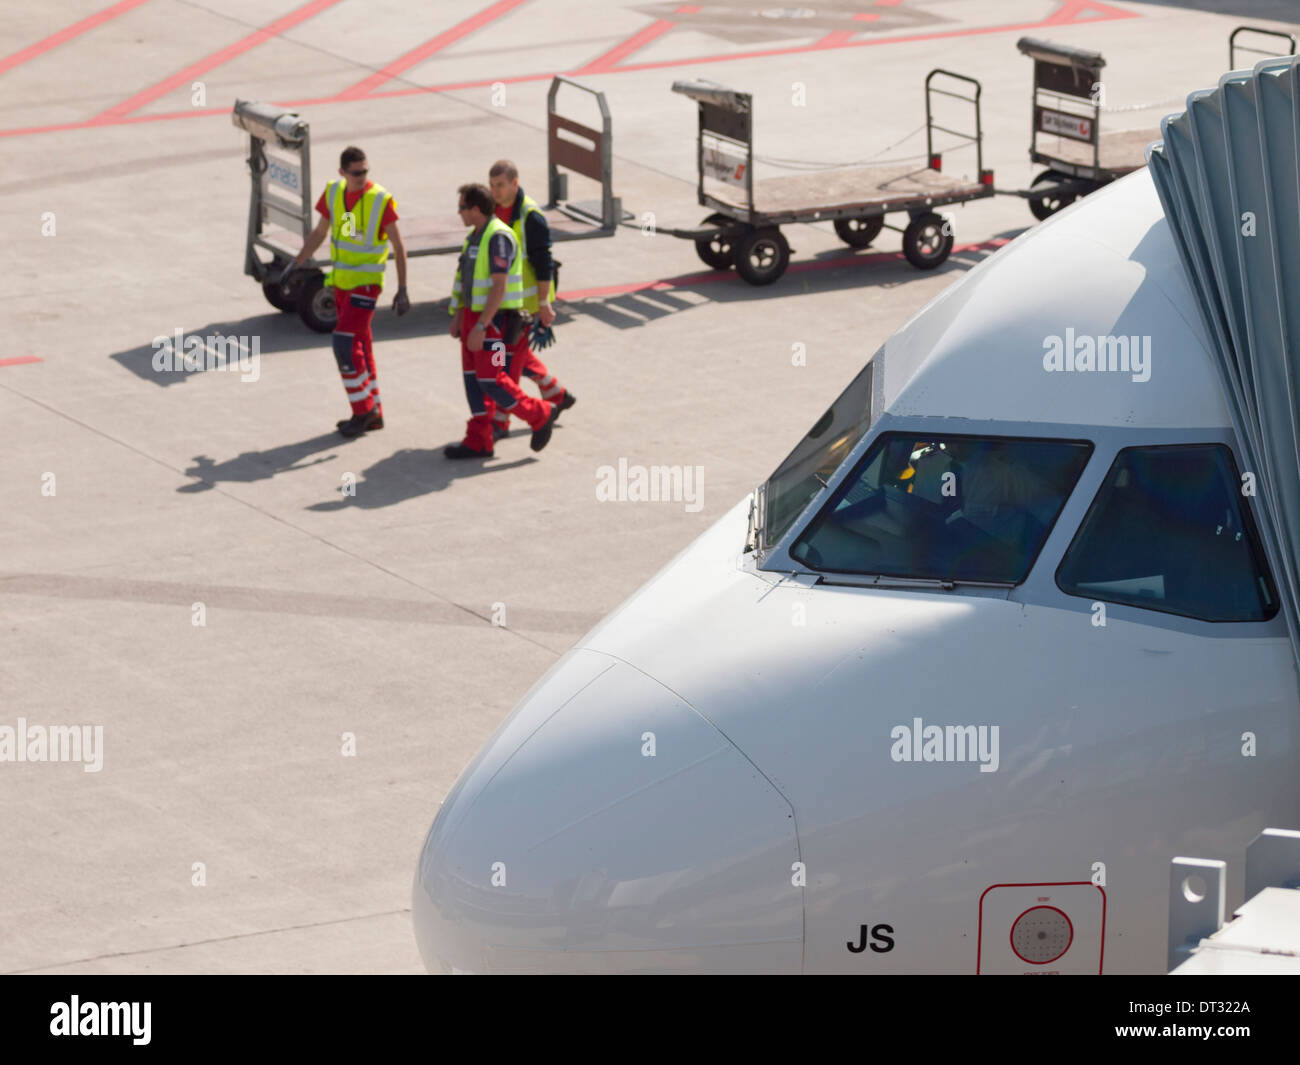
x=357, y=255
x=530, y=276
x=482, y=280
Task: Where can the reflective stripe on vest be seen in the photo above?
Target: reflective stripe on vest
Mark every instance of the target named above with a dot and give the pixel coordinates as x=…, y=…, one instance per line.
x=530, y=275
x=481, y=283
x=357, y=258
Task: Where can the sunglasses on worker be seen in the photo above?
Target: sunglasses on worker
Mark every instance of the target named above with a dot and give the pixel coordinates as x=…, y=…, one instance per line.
x=358, y=173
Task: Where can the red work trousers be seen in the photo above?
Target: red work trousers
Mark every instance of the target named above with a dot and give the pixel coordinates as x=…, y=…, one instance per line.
x=525, y=363
x=353, y=349
x=488, y=386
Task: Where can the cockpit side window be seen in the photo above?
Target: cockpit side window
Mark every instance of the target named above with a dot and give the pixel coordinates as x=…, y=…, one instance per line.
x=959, y=508
x=1167, y=532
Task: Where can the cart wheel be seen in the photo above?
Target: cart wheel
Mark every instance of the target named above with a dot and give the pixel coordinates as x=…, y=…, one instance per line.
x=859, y=232
x=927, y=240
x=279, y=296
x=1047, y=204
x=762, y=255
x=716, y=251
x=316, y=304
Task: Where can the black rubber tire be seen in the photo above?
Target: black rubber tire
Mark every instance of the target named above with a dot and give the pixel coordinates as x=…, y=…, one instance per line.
x=762, y=255
x=316, y=304
x=927, y=241
x=279, y=296
x=716, y=251
x=1044, y=206
x=859, y=232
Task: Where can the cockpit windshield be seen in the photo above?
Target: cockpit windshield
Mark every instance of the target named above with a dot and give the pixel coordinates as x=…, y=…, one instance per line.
x=957, y=508
x=809, y=466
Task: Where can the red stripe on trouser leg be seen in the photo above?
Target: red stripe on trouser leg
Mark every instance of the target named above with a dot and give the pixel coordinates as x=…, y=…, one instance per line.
x=356, y=320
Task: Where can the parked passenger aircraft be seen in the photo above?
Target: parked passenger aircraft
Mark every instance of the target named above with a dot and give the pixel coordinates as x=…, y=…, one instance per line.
x=946, y=694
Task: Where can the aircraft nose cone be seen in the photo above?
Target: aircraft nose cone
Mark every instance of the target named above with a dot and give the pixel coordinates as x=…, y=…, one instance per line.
x=608, y=827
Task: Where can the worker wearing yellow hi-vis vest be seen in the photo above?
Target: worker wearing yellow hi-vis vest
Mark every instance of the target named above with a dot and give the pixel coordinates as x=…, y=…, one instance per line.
x=520, y=211
x=360, y=218
x=486, y=301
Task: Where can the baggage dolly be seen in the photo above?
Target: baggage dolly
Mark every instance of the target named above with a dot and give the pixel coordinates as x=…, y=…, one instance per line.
x=1067, y=105
x=744, y=229
x=281, y=212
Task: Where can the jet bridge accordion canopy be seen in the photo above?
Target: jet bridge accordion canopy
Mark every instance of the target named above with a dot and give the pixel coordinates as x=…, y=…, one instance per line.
x=1228, y=177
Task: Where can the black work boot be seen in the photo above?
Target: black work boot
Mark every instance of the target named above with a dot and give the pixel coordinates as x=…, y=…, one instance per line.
x=542, y=436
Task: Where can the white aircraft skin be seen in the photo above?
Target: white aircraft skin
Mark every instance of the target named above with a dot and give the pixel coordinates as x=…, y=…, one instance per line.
x=769, y=828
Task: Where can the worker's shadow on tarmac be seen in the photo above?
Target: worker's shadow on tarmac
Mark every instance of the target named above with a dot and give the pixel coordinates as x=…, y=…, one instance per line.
x=269, y=335
x=401, y=476
x=407, y=474
x=833, y=270
x=259, y=465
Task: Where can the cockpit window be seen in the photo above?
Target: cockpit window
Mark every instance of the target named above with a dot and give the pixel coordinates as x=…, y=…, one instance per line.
x=958, y=508
x=1167, y=532
x=809, y=466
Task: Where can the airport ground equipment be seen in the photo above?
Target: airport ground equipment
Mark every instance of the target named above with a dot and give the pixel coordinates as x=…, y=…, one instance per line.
x=1065, y=124
x=744, y=229
x=281, y=212
x=1065, y=128
x=1263, y=936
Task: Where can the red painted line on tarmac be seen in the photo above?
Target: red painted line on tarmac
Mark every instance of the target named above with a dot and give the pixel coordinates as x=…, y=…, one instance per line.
x=1067, y=14
x=1070, y=10
x=20, y=360
x=274, y=29
x=635, y=43
x=436, y=44
x=836, y=38
x=713, y=276
x=1104, y=12
x=75, y=30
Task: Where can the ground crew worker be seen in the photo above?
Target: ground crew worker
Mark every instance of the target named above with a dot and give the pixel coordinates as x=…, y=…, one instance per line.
x=532, y=233
x=361, y=220
x=485, y=302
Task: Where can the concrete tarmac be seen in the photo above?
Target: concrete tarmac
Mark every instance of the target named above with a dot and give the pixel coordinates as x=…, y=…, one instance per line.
x=268, y=775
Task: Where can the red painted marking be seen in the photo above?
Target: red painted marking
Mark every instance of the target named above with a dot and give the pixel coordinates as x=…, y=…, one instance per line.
x=1072, y=8
x=686, y=9
x=619, y=52
x=1105, y=12
x=888, y=3
x=836, y=38
x=436, y=44
x=866, y=17
x=274, y=29
x=979, y=935
x=75, y=30
x=713, y=276
x=20, y=360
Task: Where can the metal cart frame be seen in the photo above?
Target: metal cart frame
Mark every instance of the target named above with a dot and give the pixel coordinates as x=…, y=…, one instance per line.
x=1234, y=47
x=281, y=211
x=744, y=234
x=1065, y=103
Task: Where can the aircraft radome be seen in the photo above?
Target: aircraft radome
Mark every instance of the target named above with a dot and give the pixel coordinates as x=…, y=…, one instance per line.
x=947, y=693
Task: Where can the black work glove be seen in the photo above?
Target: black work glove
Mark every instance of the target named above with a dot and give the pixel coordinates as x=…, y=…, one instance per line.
x=401, y=302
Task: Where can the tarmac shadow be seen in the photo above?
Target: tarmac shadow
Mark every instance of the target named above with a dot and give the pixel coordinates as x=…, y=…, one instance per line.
x=259, y=465
x=409, y=473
